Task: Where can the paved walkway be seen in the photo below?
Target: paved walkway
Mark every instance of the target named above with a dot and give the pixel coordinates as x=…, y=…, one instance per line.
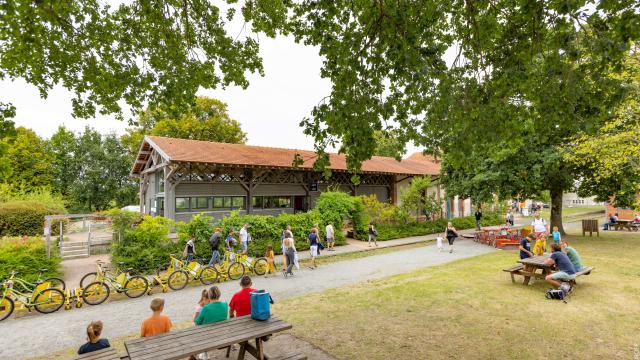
x=42, y=334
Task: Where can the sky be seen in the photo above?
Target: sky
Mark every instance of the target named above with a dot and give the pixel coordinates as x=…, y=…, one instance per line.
x=269, y=110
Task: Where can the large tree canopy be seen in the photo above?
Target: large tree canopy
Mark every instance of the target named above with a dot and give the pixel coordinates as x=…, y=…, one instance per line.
x=155, y=52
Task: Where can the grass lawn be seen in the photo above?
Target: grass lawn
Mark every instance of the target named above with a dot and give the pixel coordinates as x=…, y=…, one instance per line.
x=470, y=309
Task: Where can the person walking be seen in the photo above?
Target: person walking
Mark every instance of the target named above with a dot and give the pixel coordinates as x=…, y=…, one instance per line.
x=190, y=249
x=452, y=234
x=478, y=215
x=244, y=239
x=373, y=235
x=214, y=241
x=313, y=247
x=289, y=253
x=331, y=240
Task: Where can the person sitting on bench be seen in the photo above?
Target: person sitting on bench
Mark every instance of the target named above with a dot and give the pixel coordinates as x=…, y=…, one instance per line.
x=573, y=255
x=566, y=270
x=613, y=219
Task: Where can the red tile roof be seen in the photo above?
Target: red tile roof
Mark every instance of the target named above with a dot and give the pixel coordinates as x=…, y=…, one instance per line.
x=184, y=150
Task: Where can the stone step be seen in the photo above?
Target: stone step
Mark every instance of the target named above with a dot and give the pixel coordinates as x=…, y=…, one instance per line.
x=74, y=252
x=69, y=257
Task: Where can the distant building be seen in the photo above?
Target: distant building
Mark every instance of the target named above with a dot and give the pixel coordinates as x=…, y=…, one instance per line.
x=180, y=178
x=573, y=200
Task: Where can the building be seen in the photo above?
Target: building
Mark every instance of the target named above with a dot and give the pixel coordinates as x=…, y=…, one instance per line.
x=573, y=200
x=180, y=178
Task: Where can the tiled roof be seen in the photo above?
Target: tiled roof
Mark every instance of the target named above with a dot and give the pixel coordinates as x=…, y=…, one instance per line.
x=183, y=150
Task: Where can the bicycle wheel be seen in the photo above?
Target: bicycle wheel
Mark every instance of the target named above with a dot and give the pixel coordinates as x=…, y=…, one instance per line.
x=6, y=308
x=136, y=286
x=95, y=293
x=178, y=280
x=260, y=266
x=208, y=275
x=49, y=300
x=88, y=279
x=236, y=270
x=56, y=283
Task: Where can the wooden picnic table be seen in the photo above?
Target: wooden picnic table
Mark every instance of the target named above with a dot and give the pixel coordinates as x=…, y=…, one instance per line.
x=532, y=265
x=624, y=224
x=195, y=340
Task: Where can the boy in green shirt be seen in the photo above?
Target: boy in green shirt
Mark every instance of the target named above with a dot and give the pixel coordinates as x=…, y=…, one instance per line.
x=573, y=255
x=214, y=311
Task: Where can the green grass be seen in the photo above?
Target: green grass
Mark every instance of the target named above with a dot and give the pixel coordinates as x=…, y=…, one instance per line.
x=470, y=309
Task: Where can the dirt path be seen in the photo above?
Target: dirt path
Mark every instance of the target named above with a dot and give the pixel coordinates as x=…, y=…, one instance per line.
x=42, y=334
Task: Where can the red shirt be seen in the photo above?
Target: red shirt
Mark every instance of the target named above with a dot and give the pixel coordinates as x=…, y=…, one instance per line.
x=241, y=302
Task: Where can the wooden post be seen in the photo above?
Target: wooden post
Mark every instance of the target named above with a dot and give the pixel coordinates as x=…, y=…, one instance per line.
x=169, y=196
x=142, y=193
x=249, y=190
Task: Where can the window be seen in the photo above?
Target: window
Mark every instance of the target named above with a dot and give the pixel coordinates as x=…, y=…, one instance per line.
x=257, y=202
x=159, y=182
x=271, y=202
x=159, y=204
x=218, y=202
x=237, y=202
x=199, y=202
x=227, y=202
x=182, y=204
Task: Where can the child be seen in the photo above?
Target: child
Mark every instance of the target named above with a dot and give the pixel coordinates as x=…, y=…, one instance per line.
x=439, y=240
x=541, y=246
x=156, y=323
x=204, y=300
x=189, y=250
x=270, y=256
x=215, y=310
x=95, y=343
x=373, y=235
x=556, y=235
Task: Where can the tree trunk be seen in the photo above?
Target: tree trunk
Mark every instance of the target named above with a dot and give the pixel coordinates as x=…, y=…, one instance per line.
x=556, y=209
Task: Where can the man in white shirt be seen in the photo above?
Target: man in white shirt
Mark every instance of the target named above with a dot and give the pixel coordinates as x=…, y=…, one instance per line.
x=539, y=225
x=331, y=241
x=244, y=239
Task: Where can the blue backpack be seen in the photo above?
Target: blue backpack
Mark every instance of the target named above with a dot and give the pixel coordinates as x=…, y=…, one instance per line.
x=261, y=305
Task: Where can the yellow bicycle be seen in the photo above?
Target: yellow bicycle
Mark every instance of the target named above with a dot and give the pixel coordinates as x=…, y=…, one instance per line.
x=179, y=273
x=104, y=281
x=44, y=298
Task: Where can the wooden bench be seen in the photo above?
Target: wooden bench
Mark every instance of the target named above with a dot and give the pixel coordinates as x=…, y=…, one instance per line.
x=297, y=356
x=104, y=354
x=514, y=270
x=586, y=270
x=590, y=225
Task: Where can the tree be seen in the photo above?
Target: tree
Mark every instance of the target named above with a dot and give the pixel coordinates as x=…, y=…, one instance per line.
x=609, y=160
x=138, y=52
x=527, y=77
x=208, y=121
x=414, y=198
x=62, y=148
x=387, y=144
x=6, y=129
x=103, y=169
x=28, y=159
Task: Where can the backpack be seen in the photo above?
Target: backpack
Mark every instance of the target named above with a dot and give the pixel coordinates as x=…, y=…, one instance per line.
x=560, y=294
x=214, y=241
x=261, y=305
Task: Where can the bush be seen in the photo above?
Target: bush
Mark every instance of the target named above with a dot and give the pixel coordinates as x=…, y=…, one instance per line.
x=336, y=207
x=390, y=232
x=147, y=246
x=267, y=230
x=27, y=256
x=23, y=217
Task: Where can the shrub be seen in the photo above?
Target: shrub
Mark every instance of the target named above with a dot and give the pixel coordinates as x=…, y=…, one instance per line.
x=267, y=230
x=392, y=231
x=336, y=207
x=27, y=256
x=200, y=228
x=24, y=217
x=147, y=246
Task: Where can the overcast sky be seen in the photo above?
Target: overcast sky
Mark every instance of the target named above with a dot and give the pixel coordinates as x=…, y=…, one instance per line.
x=269, y=110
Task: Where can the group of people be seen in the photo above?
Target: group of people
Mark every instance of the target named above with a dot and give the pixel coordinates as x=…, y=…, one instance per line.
x=290, y=254
x=565, y=258
x=209, y=309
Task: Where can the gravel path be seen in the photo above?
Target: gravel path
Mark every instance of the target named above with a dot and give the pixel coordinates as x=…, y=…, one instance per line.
x=42, y=334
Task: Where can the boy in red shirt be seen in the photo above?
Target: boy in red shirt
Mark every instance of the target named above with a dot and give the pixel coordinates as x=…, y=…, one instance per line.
x=240, y=304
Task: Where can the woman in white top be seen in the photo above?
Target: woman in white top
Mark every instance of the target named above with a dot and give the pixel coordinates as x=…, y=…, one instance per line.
x=539, y=225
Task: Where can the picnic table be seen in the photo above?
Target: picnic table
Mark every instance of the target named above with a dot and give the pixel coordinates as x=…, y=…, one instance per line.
x=529, y=267
x=624, y=224
x=104, y=354
x=198, y=339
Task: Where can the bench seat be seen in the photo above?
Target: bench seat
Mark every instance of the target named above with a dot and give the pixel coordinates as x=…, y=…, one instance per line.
x=516, y=269
x=296, y=356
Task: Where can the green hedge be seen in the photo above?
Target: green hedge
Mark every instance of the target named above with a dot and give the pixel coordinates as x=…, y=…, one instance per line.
x=390, y=232
x=27, y=257
x=22, y=217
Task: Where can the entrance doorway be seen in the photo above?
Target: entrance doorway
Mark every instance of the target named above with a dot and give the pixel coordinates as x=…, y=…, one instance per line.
x=299, y=204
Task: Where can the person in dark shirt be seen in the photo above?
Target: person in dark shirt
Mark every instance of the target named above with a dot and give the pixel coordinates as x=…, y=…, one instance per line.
x=566, y=270
x=525, y=246
x=214, y=241
x=478, y=218
x=95, y=343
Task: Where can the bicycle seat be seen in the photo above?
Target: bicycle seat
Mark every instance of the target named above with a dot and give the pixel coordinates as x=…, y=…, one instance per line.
x=128, y=270
x=43, y=270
